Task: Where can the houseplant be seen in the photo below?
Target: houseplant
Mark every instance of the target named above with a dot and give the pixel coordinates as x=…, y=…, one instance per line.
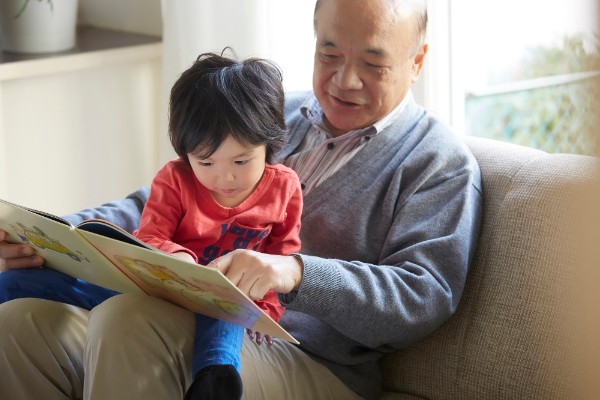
x=38, y=26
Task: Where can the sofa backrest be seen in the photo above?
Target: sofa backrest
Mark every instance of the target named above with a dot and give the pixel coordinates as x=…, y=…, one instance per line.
x=509, y=337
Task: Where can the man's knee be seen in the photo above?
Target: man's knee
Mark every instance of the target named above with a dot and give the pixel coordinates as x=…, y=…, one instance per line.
x=37, y=313
x=129, y=311
x=118, y=312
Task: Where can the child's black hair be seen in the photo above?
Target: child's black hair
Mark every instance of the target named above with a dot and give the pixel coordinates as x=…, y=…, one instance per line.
x=219, y=96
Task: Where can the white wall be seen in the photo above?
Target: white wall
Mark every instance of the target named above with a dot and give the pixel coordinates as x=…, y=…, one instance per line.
x=80, y=138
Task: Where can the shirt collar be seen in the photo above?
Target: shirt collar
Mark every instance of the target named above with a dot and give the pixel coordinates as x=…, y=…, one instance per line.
x=312, y=111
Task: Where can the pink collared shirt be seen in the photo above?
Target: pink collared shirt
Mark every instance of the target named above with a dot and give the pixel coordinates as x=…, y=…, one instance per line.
x=320, y=154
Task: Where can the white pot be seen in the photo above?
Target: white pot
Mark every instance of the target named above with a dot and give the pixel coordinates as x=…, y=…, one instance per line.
x=45, y=26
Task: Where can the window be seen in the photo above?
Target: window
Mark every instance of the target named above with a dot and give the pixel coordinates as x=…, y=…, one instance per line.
x=526, y=71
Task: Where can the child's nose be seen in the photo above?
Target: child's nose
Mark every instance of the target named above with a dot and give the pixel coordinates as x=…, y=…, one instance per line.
x=228, y=176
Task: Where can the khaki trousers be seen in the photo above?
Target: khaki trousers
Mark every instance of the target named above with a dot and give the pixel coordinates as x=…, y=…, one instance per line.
x=134, y=347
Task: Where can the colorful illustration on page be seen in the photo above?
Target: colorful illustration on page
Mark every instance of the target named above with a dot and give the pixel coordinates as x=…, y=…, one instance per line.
x=193, y=290
x=36, y=237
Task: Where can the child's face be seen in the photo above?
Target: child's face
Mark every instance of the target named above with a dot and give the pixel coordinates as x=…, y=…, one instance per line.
x=232, y=172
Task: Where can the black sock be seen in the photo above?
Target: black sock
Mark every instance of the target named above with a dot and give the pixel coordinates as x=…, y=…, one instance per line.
x=218, y=382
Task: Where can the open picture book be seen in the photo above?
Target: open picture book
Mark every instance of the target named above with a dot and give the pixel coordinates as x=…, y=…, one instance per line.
x=101, y=253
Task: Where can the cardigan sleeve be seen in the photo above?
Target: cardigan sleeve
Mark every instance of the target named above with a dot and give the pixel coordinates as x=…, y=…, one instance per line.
x=414, y=287
x=124, y=213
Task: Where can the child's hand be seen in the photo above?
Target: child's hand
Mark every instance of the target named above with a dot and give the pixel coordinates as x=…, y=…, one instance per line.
x=259, y=337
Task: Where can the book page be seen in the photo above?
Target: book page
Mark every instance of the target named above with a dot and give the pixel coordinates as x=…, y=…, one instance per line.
x=197, y=288
x=62, y=248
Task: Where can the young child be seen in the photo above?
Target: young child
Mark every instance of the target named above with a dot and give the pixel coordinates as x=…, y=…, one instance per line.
x=223, y=193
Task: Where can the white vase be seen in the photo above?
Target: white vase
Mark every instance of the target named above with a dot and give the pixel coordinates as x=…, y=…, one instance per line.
x=45, y=26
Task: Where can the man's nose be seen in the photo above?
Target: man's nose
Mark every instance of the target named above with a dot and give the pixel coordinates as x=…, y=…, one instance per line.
x=347, y=78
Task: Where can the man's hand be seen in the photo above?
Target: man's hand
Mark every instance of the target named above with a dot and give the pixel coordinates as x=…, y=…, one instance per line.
x=256, y=273
x=14, y=256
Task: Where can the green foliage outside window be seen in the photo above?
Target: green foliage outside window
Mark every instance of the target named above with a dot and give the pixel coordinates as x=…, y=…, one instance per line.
x=555, y=114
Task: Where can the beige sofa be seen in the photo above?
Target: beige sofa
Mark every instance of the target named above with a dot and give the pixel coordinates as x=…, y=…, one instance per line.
x=520, y=329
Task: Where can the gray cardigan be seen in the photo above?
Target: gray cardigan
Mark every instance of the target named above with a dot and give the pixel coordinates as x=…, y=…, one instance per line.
x=386, y=244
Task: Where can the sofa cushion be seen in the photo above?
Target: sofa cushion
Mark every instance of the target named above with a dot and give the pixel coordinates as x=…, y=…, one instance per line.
x=510, y=337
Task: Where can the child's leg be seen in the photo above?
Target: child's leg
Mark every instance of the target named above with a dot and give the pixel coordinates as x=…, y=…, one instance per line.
x=216, y=360
x=216, y=342
x=49, y=284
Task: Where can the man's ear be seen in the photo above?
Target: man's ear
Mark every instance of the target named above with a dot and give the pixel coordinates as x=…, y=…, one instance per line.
x=418, y=62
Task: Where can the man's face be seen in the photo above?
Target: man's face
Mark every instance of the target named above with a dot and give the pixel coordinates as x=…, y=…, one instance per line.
x=365, y=61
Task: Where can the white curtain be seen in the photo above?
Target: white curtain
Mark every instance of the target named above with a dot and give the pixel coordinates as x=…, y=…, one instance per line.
x=280, y=30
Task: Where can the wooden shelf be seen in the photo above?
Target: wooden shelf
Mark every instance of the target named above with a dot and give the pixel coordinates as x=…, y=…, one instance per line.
x=95, y=47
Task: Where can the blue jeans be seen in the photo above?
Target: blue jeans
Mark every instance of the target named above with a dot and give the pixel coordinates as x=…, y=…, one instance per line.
x=215, y=341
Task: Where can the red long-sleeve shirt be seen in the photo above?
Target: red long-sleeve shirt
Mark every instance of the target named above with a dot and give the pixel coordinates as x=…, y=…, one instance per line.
x=182, y=215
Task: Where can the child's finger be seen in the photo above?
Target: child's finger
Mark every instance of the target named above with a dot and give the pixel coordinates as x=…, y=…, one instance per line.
x=259, y=338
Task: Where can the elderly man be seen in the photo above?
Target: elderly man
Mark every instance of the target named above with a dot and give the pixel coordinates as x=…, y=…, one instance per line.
x=392, y=206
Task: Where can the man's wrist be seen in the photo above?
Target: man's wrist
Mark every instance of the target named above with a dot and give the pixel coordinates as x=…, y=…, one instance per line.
x=300, y=270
